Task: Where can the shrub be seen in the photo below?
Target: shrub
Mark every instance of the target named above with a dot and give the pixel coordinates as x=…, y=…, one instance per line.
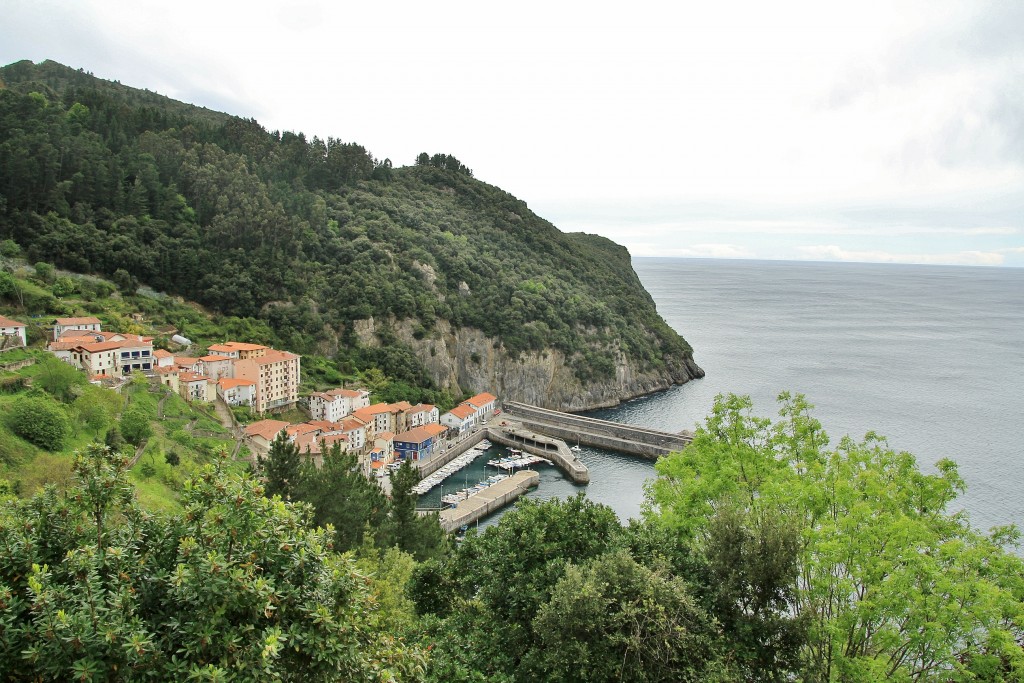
x=39, y=420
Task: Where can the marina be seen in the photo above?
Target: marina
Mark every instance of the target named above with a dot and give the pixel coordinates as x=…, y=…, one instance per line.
x=445, y=471
x=517, y=461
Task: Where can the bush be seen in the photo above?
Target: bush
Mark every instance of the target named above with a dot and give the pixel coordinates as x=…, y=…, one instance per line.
x=39, y=420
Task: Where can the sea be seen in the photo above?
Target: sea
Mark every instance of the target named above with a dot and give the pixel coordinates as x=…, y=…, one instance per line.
x=931, y=357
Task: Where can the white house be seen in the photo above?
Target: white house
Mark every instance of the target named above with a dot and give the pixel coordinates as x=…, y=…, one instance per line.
x=460, y=419
x=215, y=367
x=12, y=328
x=236, y=392
x=194, y=387
x=483, y=404
x=423, y=414
x=62, y=325
x=337, y=403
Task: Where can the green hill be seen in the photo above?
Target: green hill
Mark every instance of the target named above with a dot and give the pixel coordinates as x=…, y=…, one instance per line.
x=435, y=277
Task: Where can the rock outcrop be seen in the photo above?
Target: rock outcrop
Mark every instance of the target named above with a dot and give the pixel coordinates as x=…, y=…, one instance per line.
x=465, y=359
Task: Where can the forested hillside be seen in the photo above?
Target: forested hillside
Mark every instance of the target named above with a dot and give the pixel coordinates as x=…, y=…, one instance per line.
x=314, y=235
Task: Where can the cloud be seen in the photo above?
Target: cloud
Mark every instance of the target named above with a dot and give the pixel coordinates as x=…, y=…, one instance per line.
x=831, y=252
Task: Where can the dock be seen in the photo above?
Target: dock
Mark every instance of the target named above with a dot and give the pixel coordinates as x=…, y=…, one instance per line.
x=485, y=502
x=517, y=435
x=615, y=436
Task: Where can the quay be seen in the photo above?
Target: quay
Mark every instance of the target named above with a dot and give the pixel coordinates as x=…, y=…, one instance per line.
x=485, y=502
x=555, y=450
x=615, y=436
x=516, y=436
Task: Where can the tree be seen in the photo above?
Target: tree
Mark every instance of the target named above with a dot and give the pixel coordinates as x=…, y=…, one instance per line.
x=342, y=497
x=280, y=467
x=420, y=536
x=612, y=619
x=135, y=425
x=890, y=585
x=113, y=439
x=59, y=379
x=507, y=573
x=45, y=272
x=39, y=420
x=239, y=587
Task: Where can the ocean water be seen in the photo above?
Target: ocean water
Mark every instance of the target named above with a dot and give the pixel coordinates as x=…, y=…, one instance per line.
x=931, y=357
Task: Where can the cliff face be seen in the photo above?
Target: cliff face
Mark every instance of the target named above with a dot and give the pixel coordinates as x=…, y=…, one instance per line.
x=465, y=359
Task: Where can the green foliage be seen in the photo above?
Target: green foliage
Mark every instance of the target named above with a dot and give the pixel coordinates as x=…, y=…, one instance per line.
x=237, y=588
x=613, y=619
x=280, y=467
x=341, y=496
x=45, y=272
x=113, y=439
x=135, y=425
x=420, y=536
x=39, y=420
x=891, y=586
x=306, y=236
x=59, y=379
x=96, y=408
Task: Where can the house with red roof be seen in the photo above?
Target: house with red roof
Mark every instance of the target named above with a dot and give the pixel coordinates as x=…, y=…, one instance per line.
x=236, y=392
x=483, y=404
x=262, y=433
x=12, y=333
x=460, y=419
x=276, y=375
x=418, y=443
x=195, y=387
x=422, y=414
x=214, y=366
x=62, y=325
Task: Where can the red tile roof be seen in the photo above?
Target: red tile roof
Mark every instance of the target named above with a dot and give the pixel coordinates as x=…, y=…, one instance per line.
x=78, y=321
x=480, y=400
x=268, y=429
x=7, y=322
x=228, y=383
x=462, y=411
x=421, y=434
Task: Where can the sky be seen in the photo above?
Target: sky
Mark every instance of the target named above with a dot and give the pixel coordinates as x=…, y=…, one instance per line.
x=832, y=131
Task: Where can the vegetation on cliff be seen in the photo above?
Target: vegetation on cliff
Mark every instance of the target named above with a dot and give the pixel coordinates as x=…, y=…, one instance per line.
x=306, y=235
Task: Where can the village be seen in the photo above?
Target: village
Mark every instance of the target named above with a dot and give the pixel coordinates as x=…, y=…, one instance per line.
x=266, y=380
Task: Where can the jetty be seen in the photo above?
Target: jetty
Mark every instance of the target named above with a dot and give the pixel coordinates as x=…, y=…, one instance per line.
x=614, y=436
x=517, y=435
x=488, y=500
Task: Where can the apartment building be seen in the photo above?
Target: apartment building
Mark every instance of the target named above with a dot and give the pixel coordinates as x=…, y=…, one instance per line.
x=276, y=376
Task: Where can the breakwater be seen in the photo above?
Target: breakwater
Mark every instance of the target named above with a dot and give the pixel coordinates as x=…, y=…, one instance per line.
x=485, y=502
x=649, y=443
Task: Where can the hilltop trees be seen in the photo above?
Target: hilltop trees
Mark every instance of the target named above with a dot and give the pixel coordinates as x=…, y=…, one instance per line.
x=307, y=235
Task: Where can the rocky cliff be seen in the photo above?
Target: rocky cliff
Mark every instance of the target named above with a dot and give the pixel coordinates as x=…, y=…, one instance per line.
x=466, y=360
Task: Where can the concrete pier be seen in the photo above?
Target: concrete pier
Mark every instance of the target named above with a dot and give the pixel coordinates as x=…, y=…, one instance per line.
x=650, y=443
x=487, y=501
x=517, y=435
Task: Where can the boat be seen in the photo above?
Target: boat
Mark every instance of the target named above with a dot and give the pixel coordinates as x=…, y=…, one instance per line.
x=576, y=448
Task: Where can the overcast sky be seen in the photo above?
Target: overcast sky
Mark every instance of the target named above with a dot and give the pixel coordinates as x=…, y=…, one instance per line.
x=862, y=131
